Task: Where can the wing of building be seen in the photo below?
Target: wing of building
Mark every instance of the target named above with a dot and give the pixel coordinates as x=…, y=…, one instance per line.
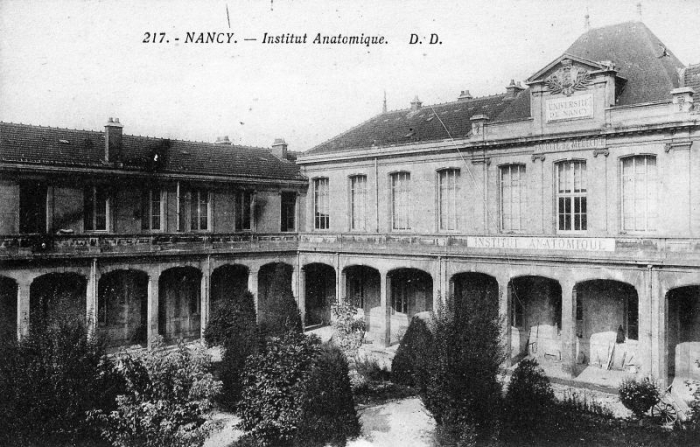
x=572, y=200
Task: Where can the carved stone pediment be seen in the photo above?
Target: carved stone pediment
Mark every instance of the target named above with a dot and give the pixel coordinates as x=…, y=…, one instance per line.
x=569, y=78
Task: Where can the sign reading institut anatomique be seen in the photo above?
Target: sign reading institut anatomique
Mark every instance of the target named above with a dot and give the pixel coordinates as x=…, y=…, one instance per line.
x=580, y=244
x=579, y=106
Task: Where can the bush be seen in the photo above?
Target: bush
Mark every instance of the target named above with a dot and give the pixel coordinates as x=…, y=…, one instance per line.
x=348, y=329
x=282, y=314
x=411, y=363
x=273, y=384
x=49, y=381
x=168, y=396
x=529, y=401
x=297, y=393
x=463, y=386
x=638, y=396
x=328, y=413
x=233, y=326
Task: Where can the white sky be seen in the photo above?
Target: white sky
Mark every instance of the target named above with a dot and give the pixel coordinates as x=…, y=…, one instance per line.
x=76, y=63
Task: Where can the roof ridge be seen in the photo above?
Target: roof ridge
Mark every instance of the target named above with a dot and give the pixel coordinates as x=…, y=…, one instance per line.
x=147, y=137
x=205, y=143
x=49, y=127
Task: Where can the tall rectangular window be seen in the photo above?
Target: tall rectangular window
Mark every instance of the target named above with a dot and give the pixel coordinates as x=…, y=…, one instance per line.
x=449, y=191
x=400, y=201
x=288, y=212
x=96, y=208
x=512, y=197
x=321, y=204
x=32, y=207
x=152, y=210
x=571, y=196
x=199, y=207
x=243, y=201
x=639, y=193
x=358, y=202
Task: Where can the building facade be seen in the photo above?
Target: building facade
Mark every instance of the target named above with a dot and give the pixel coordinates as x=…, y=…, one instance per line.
x=140, y=235
x=572, y=200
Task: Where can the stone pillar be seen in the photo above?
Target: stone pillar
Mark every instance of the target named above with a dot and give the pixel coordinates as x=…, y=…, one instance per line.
x=253, y=288
x=646, y=312
x=302, y=294
x=340, y=287
x=385, y=300
x=23, y=306
x=504, y=302
x=205, y=297
x=568, y=330
x=439, y=291
x=152, y=329
x=659, y=323
x=91, y=298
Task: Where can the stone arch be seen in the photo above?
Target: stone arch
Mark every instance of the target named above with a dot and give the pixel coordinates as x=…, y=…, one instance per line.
x=8, y=309
x=606, y=323
x=319, y=279
x=683, y=332
x=122, y=307
x=465, y=285
x=56, y=296
x=179, y=303
x=410, y=292
x=535, y=318
x=228, y=281
x=266, y=284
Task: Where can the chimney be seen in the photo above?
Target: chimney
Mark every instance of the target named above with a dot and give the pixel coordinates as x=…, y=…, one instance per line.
x=113, y=140
x=682, y=99
x=478, y=122
x=416, y=104
x=464, y=95
x=223, y=141
x=513, y=89
x=279, y=148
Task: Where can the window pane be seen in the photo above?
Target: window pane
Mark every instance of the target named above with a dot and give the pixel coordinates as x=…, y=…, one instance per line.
x=512, y=196
x=639, y=193
x=321, y=204
x=571, y=196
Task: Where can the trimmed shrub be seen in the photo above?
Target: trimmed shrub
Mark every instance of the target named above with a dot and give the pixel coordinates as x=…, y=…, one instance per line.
x=529, y=401
x=232, y=317
x=49, y=381
x=328, y=413
x=463, y=386
x=348, y=328
x=638, y=396
x=167, y=400
x=411, y=363
x=297, y=393
x=273, y=386
x=233, y=326
x=282, y=314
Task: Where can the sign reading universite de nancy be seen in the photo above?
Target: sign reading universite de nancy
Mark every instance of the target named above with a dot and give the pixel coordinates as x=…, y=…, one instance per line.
x=542, y=243
x=580, y=106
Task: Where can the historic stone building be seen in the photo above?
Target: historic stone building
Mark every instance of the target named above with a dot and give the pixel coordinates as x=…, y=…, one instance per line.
x=140, y=235
x=573, y=200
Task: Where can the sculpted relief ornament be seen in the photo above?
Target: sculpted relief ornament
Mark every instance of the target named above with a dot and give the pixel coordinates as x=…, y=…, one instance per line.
x=568, y=79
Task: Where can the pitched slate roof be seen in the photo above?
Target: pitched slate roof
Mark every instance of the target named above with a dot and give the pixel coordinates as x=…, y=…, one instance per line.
x=692, y=79
x=83, y=148
x=650, y=68
x=410, y=126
